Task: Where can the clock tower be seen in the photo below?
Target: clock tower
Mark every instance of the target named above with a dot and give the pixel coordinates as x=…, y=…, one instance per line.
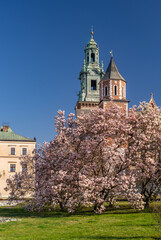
x=90, y=76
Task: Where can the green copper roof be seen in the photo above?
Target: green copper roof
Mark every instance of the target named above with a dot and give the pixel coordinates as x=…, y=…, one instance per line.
x=92, y=42
x=6, y=134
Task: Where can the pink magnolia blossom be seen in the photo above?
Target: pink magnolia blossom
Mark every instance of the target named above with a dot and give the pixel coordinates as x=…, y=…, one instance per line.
x=95, y=158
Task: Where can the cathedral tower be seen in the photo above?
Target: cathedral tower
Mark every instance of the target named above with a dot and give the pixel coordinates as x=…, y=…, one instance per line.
x=113, y=88
x=90, y=76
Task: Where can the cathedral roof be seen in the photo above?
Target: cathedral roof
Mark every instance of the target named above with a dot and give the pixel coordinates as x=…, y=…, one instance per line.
x=112, y=72
x=6, y=134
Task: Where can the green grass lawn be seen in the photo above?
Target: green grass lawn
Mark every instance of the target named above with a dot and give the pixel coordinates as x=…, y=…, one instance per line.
x=122, y=223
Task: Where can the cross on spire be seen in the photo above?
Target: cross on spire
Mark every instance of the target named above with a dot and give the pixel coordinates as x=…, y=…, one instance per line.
x=111, y=52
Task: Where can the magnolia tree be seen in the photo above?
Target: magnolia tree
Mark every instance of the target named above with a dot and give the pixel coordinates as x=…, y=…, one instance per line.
x=87, y=163
x=104, y=173
x=93, y=159
x=145, y=149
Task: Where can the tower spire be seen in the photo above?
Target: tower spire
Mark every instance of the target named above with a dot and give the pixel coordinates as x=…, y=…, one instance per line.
x=152, y=102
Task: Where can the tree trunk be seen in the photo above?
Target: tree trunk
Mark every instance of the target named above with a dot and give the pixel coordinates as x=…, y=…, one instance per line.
x=95, y=206
x=146, y=203
x=111, y=205
x=61, y=206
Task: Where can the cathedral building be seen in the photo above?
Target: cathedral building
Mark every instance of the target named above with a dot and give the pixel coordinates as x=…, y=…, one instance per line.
x=99, y=88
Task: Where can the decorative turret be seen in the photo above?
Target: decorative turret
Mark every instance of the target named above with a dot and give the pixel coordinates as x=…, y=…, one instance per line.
x=92, y=52
x=90, y=76
x=113, y=87
x=152, y=102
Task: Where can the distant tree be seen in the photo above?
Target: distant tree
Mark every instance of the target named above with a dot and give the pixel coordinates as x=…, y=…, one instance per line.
x=22, y=183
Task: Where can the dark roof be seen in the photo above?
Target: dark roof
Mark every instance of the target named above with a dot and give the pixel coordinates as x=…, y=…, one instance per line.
x=6, y=134
x=112, y=72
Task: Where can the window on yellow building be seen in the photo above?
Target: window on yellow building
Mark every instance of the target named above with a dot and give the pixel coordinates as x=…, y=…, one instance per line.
x=12, y=167
x=24, y=167
x=24, y=151
x=12, y=151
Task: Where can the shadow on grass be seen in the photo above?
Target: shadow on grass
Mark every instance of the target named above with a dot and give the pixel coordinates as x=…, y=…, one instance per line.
x=20, y=212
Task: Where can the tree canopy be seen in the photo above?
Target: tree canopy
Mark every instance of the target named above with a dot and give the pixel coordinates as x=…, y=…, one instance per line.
x=94, y=159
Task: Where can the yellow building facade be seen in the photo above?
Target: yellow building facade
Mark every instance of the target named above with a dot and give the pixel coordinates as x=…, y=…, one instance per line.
x=12, y=148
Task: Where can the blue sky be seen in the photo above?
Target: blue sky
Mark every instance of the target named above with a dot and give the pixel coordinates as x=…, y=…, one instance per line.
x=42, y=51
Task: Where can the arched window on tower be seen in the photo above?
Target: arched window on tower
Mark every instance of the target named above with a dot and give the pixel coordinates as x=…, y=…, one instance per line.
x=123, y=92
x=115, y=90
x=87, y=57
x=92, y=57
x=106, y=93
x=93, y=85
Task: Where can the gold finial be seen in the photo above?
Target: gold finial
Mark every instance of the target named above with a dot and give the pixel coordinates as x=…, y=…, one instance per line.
x=92, y=32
